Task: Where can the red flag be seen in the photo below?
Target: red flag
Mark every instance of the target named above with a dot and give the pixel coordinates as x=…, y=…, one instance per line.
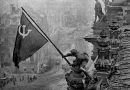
x=29, y=39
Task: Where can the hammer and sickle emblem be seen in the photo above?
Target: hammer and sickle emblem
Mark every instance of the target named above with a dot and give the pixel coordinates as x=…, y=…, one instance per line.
x=24, y=34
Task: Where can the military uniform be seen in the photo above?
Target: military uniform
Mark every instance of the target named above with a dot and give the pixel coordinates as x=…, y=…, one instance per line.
x=98, y=11
x=77, y=79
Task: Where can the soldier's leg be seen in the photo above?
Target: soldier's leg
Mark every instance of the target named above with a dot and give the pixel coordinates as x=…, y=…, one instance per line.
x=101, y=16
x=95, y=17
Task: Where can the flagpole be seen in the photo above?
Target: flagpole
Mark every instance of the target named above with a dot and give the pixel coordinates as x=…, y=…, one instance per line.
x=46, y=36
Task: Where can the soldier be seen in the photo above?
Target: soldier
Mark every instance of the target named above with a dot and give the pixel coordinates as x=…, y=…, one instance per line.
x=98, y=11
x=78, y=78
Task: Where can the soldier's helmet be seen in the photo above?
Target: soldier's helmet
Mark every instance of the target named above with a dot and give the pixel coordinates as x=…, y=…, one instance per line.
x=103, y=34
x=74, y=51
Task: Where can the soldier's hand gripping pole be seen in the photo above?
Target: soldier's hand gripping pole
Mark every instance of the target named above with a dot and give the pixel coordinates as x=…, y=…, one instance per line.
x=66, y=60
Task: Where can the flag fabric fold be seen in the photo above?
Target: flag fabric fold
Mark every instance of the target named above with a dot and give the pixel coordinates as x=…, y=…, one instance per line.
x=28, y=40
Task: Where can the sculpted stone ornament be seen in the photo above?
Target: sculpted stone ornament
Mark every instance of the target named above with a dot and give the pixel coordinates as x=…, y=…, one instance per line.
x=103, y=45
x=114, y=30
x=23, y=33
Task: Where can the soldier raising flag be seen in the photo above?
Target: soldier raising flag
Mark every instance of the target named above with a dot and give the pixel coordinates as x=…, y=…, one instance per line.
x=29, y=39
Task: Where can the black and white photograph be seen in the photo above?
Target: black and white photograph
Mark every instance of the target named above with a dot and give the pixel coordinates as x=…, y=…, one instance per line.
x=64, y=44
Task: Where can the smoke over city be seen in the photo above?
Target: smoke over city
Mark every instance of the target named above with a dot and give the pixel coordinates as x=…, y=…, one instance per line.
x=66, y=22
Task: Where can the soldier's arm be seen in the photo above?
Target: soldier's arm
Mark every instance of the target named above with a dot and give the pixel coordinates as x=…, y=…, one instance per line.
x=68, y=55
